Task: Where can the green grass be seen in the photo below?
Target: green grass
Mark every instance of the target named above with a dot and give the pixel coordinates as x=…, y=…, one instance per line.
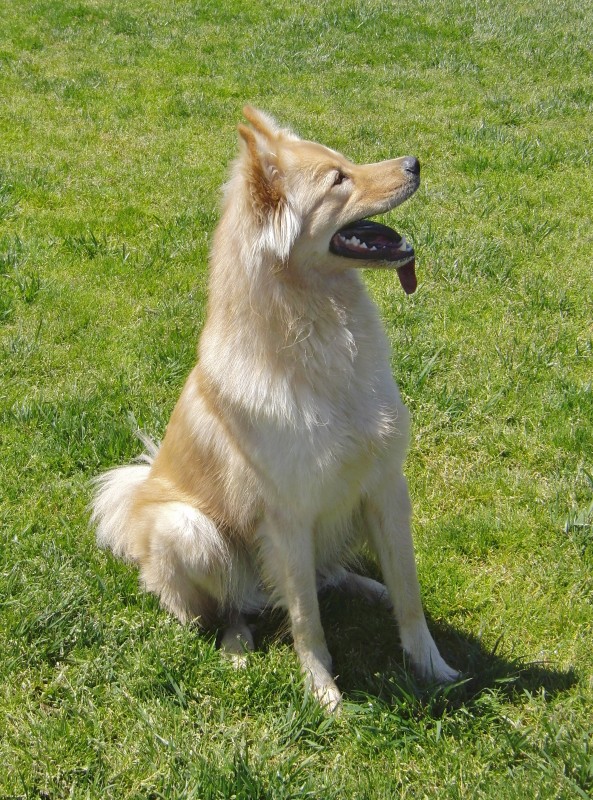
x=117, y=122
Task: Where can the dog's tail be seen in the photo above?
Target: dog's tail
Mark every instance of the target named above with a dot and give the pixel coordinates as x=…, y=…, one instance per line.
x=112, y=503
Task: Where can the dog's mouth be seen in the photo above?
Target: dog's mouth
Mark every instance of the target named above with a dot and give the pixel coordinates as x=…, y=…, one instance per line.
x=372, y=241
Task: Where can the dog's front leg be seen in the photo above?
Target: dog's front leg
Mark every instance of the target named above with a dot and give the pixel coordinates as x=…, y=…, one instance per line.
x=289, y=563
x=388, y=514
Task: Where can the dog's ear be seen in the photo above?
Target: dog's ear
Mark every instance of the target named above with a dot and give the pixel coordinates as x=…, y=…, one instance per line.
x=277, y=222
x=261, y=142
x=262, y=170
x=262, y=122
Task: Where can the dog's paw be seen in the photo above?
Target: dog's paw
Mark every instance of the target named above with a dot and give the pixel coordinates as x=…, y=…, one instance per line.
x=428, y=663
x=435, y=669
x=328, y=696
x=443, y=673
x=236, y=643
x=325, y=691
x=321, y=684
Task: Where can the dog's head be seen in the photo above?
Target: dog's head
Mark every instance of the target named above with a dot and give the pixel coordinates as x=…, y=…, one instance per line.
x=311, y=204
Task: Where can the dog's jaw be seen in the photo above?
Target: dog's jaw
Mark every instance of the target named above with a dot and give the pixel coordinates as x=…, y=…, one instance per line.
x=377, y=246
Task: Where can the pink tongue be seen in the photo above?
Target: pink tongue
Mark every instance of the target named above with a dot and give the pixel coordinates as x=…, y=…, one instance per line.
x=407, y=277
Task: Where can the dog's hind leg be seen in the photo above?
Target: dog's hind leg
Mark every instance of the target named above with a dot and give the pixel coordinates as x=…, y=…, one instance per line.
x=388, y=513
x=237, y=639
x=361, y=586
x=178, y=594
x=183, y=560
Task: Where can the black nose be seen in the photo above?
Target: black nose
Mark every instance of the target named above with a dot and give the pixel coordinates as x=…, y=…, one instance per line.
x=411, y=164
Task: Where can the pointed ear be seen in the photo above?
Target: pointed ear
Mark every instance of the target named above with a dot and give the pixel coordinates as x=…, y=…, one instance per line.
x=262, y=122
x=277, y=222
x=262, y=170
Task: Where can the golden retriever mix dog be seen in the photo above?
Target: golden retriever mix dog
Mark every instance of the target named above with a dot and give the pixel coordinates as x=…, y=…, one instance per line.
x=286, y=447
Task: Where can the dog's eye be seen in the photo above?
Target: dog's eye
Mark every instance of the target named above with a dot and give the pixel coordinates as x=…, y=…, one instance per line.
x=339, y=178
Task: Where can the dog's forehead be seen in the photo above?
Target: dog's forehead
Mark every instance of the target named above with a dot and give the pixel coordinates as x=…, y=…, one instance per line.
x=313, y=155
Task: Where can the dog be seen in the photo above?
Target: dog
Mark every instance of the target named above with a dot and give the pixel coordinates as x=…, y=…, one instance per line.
x=285, y=449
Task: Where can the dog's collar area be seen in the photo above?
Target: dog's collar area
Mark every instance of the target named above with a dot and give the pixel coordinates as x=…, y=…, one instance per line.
x=371, y=241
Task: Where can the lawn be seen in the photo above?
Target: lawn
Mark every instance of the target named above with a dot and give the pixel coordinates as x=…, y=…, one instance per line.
x=117, y=123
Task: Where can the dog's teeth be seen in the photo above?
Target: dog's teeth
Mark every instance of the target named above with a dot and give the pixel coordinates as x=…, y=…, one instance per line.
x=355, y=240
x=364, y=244
x=373, y=247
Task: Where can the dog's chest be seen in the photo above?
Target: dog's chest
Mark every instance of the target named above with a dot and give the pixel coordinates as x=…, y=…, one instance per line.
x=322, y=447
x=313, y=411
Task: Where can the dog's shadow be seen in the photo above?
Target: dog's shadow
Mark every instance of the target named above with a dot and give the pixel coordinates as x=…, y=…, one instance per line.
x=369, y=662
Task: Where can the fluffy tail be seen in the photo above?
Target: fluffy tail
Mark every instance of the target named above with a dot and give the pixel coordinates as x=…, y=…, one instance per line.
x=111, y=506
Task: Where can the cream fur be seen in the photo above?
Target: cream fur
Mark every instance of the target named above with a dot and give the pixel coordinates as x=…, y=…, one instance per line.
x=287, y=443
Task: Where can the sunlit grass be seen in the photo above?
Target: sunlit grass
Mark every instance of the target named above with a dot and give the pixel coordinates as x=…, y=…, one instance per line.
x=117, y=123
